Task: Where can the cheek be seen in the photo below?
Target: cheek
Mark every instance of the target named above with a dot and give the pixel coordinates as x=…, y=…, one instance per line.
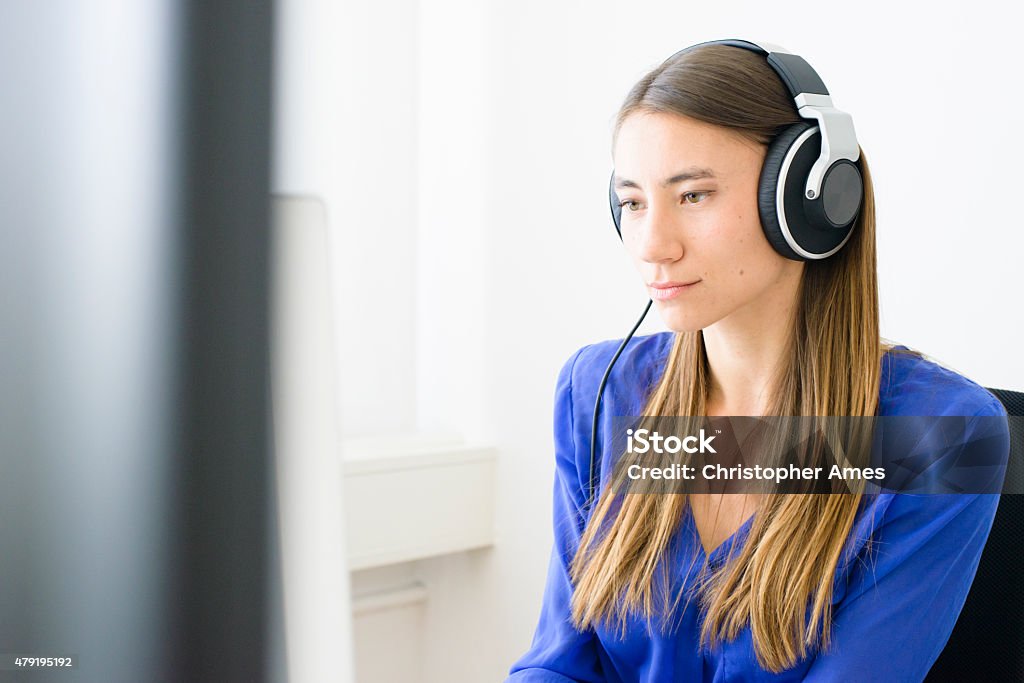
x=743, y=258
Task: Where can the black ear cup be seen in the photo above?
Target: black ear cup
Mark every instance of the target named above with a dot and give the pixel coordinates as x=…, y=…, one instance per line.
x=798, y=227
x=842, y=190
x=613, y=202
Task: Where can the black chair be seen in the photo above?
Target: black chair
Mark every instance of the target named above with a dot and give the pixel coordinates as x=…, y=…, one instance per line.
x=987, y=643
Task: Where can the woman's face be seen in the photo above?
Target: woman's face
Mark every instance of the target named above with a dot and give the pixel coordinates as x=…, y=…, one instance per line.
x=688, y=191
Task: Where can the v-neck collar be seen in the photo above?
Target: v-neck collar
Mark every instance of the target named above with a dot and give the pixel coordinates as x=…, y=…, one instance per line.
x=722, y=549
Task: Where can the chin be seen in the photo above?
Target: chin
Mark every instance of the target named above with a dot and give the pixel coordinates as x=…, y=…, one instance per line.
x=678, y=321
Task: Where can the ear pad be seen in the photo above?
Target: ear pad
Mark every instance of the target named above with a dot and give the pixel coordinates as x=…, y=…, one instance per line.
x=613, y=203
x=797, y=227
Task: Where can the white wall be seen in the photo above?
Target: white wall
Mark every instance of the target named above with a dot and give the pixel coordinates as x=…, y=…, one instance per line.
x=346, y=122
x=482, y=134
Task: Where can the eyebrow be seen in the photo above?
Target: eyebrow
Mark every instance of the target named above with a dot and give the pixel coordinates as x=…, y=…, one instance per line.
x=688, y=174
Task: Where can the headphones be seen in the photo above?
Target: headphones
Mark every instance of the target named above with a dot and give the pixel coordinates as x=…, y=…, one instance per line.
x=810, y=190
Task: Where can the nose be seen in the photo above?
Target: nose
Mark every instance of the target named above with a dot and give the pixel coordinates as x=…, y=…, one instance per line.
x=660, y=235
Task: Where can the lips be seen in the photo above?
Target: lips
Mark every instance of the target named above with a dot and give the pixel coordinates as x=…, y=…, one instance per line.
x=669, y=289
x=669, y=284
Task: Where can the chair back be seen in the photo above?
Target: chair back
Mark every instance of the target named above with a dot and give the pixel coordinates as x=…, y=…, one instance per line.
x=987, y=643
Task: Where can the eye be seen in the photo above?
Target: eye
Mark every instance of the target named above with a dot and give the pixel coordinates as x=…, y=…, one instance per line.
x=687, y=197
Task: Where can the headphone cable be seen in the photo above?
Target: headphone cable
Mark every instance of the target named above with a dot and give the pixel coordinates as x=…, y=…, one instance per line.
x=597, y=405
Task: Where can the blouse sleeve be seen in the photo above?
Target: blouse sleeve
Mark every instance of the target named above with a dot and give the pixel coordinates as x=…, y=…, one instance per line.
x=559, y=653
x=902, y=602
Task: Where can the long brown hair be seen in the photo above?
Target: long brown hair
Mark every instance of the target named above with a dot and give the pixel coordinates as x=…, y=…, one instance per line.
x=832, y=367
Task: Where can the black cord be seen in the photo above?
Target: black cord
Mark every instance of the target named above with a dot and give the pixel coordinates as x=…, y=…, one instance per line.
x=597, y=404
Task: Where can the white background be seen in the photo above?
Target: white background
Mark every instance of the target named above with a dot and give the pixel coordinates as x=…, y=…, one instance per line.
x=463, y=150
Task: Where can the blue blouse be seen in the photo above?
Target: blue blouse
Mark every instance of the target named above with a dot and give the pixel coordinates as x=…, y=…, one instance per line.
x=892, y=612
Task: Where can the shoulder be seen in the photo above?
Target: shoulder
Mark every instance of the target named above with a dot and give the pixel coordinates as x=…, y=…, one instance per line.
x=637, y=367
x=913, y=383
x=636, y=370
x=948, y=434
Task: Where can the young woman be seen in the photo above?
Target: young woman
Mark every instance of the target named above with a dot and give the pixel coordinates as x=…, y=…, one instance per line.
x=832, y=587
